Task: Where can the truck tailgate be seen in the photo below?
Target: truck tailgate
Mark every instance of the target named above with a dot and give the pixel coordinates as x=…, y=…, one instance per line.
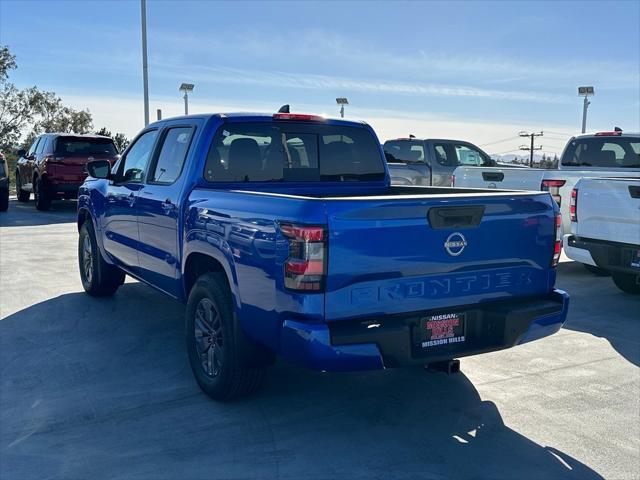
x=496, y=177
x=391, y=255
x=608, y=209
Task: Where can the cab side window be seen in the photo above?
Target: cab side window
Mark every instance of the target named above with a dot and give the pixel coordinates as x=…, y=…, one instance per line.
x=41, y=144
x=33, y=147
x=445, y=154
x=172, y=155
x=133, y=166
x=470, y=156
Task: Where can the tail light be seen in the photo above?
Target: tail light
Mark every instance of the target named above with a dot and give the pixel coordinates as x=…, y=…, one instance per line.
x=557, y=244
x=573, y=205
x=553, y=187
x=305, y=268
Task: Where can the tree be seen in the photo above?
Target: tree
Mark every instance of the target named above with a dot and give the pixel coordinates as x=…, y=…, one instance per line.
x=32, y=110
x=18, y=108
x=119, y=139
x=7, y=62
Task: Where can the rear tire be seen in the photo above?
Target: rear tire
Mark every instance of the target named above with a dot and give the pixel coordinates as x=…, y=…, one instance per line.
x=98, y=277
x=627, y=282
x=217, y=347
x=4, y=200
x=23, y=196
x=41, y=195
x=600, y=272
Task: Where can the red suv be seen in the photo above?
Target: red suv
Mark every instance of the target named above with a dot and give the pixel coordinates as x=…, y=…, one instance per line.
x=54, y=165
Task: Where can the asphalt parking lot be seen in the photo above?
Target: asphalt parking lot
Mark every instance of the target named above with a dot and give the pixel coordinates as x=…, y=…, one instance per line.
x=94, y=388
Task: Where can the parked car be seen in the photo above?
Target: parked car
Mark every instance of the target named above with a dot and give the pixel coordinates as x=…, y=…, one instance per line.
x=4, y=184
x=282, y=234
x=54, y=165
x=603, y=154
x=605, y=228
x=415, y=161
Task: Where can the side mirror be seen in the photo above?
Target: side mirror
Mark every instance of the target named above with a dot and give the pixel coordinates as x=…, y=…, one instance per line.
x=99, y=169
x=22, y=153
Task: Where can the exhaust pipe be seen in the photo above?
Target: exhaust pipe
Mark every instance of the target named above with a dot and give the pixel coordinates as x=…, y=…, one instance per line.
x=447, y=366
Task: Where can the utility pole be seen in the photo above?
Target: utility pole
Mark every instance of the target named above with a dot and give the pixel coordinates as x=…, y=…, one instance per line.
x=145, y=73
x=531, y=148
x=186, y=88
x=342, y=101
x=585, y=92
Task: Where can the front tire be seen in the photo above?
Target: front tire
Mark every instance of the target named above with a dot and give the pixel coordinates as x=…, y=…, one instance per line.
x=41, y=195
x=627, y=282
x=216, y=345
x=98, y=277
x=23, y=196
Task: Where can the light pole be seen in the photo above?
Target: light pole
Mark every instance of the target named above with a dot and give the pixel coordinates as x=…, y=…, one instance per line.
x=145, y=73
x=342, y=101
x=186, y=88
x=585, y=92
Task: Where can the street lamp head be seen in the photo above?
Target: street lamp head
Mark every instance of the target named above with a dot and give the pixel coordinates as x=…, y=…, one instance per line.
x=586, y=91
x=186, y=87
x=342, y=101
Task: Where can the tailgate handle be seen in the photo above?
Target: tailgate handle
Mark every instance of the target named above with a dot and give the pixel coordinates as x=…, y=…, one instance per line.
x=492, y=176
x=634, y=191
x=455, y=217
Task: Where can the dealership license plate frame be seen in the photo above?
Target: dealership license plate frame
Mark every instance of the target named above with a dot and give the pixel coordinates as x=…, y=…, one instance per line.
x=440, y=332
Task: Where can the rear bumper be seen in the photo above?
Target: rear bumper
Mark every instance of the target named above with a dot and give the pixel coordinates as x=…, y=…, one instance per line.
x=63, y=188
x=358, y=345
x=612, y=256
x=574, y=253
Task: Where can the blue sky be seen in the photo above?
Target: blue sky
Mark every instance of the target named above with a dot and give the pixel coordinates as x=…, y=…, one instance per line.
x=476, y=70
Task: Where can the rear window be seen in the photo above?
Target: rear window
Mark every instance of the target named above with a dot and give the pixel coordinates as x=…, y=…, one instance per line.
x=85, y=146
x=263, y=152
x=404, y=151
x=605, y=152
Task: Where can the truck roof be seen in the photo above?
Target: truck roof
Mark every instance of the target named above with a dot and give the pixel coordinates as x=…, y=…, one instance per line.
x=428, y=139
x=606, y=134
x=262, y=116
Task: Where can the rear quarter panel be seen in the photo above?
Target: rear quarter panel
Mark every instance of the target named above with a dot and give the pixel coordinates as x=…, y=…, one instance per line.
x=240, y=231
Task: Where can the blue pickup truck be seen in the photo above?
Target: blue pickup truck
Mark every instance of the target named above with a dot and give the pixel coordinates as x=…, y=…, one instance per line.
x=282, y=235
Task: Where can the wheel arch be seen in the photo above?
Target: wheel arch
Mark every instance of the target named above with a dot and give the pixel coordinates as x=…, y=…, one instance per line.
x=198, y=262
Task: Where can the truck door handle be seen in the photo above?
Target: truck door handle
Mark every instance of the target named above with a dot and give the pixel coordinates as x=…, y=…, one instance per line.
x=168, y=206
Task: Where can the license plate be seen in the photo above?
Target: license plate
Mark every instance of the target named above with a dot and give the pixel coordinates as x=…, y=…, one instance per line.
x=443, y=329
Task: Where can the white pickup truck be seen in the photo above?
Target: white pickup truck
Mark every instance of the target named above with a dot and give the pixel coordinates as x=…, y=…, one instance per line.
x=603, y=154
x=605, y=228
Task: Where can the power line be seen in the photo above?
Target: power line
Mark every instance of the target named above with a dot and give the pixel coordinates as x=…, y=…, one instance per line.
x=499, y=141
x=566, y=135
x=531, y=148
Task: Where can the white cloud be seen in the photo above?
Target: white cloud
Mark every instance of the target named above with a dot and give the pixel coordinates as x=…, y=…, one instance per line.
x=125, y=114
x=227, y=75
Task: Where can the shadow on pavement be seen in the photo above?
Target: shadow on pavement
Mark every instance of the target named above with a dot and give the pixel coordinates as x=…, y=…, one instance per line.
x=25, y=214
x=598, y=307
x=101, y=386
